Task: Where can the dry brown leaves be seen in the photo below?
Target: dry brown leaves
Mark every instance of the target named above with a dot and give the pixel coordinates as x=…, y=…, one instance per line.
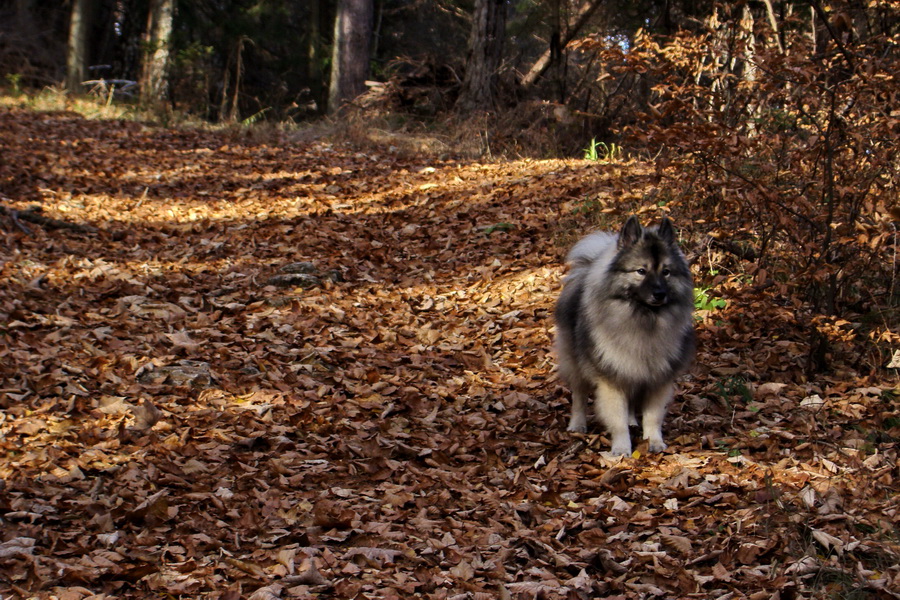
x=176, y=425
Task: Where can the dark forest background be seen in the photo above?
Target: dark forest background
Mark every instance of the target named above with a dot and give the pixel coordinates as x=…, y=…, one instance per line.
x=276, y=55
x=553, y=74
x=777, y=120
x=561, y=63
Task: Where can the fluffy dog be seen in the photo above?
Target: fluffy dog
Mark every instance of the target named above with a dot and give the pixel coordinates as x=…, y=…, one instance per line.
x=624, y=329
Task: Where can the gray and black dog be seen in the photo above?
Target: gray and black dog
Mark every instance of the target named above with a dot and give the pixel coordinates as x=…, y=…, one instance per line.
x=624, y=329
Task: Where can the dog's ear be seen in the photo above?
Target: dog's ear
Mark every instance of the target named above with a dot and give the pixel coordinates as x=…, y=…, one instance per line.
x=666, y=231
x=631, y=233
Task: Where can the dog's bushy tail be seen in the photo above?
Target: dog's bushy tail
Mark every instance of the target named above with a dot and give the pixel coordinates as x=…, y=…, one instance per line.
x=591, y=248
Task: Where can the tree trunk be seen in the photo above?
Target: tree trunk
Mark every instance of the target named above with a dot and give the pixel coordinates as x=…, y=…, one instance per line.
x=485, y=54
x=154, y=70
x=77, y=52
x=350, y=53
x=773, y=23
x=543, y=63
x=315, y=55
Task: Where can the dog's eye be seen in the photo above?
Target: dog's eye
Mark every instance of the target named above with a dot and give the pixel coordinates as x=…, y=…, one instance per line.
x=641, y=271
x=666, y=272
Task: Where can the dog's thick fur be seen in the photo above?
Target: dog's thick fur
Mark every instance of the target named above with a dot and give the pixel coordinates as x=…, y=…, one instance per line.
x=624, y=329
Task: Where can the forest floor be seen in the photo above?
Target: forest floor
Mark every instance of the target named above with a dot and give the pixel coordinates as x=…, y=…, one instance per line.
x=236, y=369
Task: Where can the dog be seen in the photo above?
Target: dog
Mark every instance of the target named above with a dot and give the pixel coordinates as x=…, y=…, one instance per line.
x=624, y=329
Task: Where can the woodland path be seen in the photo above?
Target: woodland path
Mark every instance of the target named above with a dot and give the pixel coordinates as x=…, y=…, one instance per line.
x=388, y=423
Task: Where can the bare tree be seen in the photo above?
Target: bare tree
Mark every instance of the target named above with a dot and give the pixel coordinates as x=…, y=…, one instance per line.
x=485, y=53
x=77, y=52
x=315, y=54
x=156, y=53
x=350, y=54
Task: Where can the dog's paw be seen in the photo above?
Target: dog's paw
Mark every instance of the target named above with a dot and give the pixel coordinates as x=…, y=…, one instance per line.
x=657, y=446
x=621, y=448
x=577, y=422
x=575, y=427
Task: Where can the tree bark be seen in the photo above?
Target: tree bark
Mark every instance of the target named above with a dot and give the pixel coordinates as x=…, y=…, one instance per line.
x=484, y=56
x=773, y=23
x=350, y=53
x=154, y=70
x=315, y=56
x=77, y=52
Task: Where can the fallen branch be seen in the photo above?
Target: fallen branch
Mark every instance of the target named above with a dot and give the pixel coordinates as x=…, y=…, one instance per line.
x=543, y=63
x=33, y=215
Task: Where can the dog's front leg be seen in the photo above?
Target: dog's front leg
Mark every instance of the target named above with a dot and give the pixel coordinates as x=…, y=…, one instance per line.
x=655, y=406
x=611, y=405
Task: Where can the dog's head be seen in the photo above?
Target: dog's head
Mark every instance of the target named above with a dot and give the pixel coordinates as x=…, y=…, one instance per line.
x=651, y=268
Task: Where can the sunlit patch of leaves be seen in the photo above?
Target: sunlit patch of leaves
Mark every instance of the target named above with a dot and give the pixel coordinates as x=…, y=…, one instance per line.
x=178, y=419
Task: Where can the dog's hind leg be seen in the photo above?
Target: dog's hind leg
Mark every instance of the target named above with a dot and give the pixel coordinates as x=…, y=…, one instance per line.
x=655, y=406
x=578, y=419
x=611, y=405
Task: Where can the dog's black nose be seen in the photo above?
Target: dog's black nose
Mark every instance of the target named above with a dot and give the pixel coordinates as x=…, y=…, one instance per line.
x=659, y=297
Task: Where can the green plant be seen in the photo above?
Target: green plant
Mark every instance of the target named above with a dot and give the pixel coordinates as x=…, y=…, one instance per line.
x=15, y=81
x=602, y=152
x=497, y=227
x=254, y=117
x=587, y=206
x=734, y=387
x=703, y=301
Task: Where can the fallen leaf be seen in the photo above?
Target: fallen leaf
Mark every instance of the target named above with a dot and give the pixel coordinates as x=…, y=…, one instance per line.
x=678, y=542
x=269, y=592
x=146, y=415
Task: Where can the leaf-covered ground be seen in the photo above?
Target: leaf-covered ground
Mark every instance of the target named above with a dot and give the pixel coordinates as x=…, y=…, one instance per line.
x=302, y=370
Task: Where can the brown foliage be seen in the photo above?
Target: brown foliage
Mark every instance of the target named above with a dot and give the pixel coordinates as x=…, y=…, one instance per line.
x=176, y=423
x=784, y=140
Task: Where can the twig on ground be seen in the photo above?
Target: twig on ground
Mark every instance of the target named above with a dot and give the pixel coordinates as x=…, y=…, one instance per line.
x=33, y=215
